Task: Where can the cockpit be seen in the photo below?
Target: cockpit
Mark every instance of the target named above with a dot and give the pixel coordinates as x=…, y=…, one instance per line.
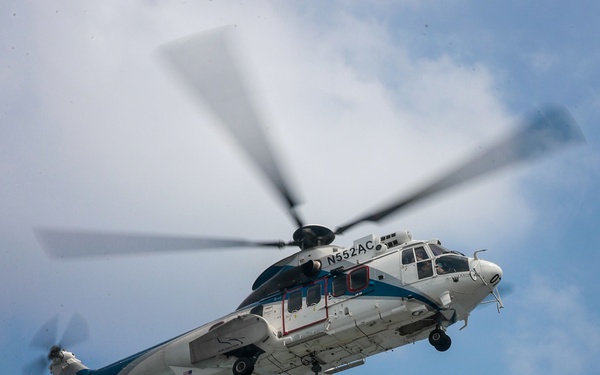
x=429, y=259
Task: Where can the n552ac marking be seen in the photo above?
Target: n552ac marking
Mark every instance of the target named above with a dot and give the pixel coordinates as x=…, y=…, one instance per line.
x=350, y=253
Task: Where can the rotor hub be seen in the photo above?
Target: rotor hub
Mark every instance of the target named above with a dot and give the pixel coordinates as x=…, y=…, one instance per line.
x=313, y=235
x=55, y=352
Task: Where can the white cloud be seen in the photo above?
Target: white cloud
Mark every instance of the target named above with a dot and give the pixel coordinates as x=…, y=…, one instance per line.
x=555, y=332
x=542, y=62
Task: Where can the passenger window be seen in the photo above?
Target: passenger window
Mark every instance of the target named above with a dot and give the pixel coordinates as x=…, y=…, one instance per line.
x=359, y=279
x=295, y=301
x=408, y=256
x=257, y=310
x=216, y=325
x=338, y=286
x=421, y=254
x=313, y=295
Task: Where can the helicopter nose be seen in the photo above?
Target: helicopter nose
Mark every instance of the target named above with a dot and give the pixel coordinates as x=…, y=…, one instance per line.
x=491, y=272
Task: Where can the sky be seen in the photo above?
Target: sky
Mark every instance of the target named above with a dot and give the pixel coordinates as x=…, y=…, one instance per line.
x=363, y=102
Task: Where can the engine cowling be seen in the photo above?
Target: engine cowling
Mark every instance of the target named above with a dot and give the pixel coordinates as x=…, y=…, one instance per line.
x=286, y=278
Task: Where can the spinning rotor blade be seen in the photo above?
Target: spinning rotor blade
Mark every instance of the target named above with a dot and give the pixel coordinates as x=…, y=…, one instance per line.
x=60, y=243
x=47, y=335
x=37, y=366
x=546, y=131
x=77, y=331
x=206, y=65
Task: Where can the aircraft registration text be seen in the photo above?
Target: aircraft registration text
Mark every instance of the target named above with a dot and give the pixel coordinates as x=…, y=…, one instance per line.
x=350, y=253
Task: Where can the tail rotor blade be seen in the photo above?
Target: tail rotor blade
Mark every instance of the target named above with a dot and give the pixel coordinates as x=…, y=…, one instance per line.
x=77, y=332
x=38, y=366
x=45, y=339
x=47, y=335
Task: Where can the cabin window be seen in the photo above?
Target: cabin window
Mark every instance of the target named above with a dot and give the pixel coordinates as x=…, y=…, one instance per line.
x=313, y=295
x=338, y=286
x=421, y=253
x=257, y=310
x=359, y=279
x=216, y=325
x=424, y=269
x=408, y=256
x=294, y=301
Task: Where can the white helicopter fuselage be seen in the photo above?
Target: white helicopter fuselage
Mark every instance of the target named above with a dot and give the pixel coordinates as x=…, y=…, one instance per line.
x=382, y=293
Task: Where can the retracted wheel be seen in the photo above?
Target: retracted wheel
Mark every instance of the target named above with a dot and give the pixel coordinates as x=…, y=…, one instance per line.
x=243, y=366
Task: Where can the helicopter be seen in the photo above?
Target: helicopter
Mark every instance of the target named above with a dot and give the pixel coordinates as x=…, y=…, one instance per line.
x=325, y=308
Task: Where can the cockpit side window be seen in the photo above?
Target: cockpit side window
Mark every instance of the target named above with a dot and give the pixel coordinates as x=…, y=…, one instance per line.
x=408, y=256
x=424, y=269
x=421, y=253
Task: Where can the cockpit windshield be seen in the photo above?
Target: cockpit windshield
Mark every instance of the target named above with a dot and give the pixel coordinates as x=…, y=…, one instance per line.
x=437, y=249
x=432, y=259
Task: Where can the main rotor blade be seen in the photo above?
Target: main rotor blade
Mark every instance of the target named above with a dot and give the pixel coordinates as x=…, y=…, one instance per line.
x=546, y=131
x=206, y=65
x=59, y=243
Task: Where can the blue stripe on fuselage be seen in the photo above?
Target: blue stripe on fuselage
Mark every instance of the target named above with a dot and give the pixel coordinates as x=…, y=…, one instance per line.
x=376, y=289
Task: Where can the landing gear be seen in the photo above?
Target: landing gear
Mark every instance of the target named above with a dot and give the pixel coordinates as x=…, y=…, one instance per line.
x=243, y=366
x=440, y=340
x=311, y=360
x=316, y=368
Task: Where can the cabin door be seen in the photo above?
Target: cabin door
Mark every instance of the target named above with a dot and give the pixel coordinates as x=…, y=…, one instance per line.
x=304, y=306
x=408, y=267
